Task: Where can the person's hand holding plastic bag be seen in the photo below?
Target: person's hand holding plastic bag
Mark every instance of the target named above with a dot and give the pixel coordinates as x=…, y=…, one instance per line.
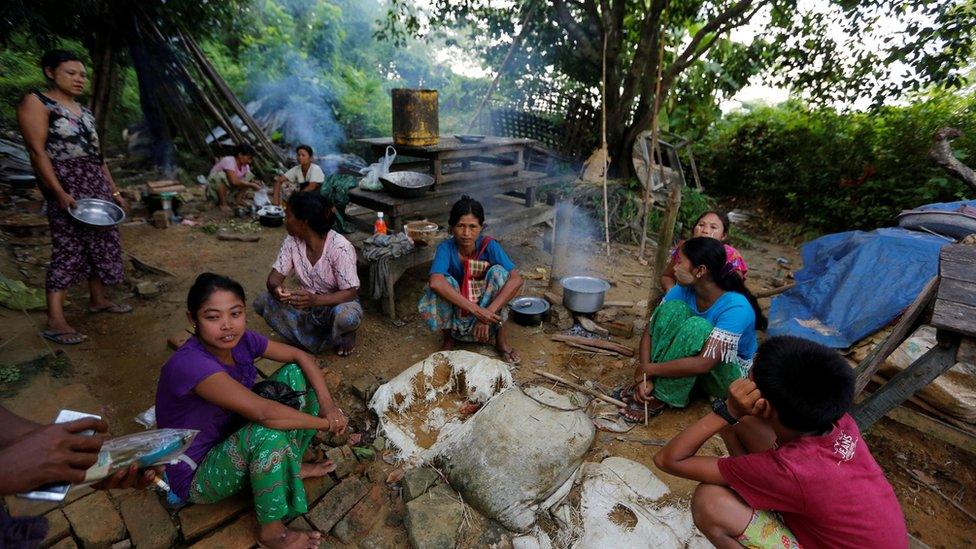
x=373, y=173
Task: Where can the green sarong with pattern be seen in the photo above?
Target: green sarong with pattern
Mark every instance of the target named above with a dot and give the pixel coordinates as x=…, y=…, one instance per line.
x=268, y=460
x=676, y=332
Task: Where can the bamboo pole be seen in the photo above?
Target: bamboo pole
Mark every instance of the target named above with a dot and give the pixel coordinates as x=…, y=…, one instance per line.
x=603, y=147
x=516, y=42
x=650, y=157
x=665, y=236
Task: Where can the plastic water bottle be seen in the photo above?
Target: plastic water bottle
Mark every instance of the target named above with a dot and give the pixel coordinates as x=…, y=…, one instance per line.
x=380, y=226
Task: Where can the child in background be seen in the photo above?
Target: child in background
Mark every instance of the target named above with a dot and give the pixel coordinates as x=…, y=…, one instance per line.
x=799, y=473
x=713, y=224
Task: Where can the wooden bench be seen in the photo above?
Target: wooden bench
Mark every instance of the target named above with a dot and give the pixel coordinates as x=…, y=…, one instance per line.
x=954, y=315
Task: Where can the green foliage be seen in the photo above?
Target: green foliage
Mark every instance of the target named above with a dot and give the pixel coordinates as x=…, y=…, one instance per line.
x=837, y=171
x=9, y=374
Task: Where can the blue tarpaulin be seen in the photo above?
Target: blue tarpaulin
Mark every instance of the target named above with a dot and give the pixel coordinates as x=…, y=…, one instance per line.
x=853, y=284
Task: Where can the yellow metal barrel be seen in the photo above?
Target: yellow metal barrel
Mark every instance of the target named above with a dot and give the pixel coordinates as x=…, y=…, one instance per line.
x=415, y=117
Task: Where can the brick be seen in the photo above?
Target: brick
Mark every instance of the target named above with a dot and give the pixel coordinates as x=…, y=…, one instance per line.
x=433, y=520
x=344, y=459
x=317, y=487
x=336, y=504
x=240, y=534
x=199, y=519
x=57, y=528
x=365, y=386
x=148, y=523
x=95, y=521
x=361, y=519
x=417, y=481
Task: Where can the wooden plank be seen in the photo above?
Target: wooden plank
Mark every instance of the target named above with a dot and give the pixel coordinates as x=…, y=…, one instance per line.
x=958, y=270
x=957, y=291
x=479, y=174
x=870, y=365
x=934, y=427
x=963, y=253
x=905, y=384
x=447, y=144
x=956, y=317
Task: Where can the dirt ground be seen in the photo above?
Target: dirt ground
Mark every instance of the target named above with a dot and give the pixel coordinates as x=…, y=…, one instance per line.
x=120, y=363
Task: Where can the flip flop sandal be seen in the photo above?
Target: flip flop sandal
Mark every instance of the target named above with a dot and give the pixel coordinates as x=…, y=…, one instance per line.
x=512, y=357
x=634, y=412
x=64, y=338
x=623, y=394
x=115, y=308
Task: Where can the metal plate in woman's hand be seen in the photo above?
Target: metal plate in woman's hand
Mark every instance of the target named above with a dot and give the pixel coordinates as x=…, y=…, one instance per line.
x=95, y=212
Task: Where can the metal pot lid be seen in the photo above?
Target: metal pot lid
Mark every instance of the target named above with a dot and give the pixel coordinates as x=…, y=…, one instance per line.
x=530, y=305
x=585, y=284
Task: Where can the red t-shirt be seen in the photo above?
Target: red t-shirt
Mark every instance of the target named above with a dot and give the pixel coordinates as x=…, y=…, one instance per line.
x=828, y=489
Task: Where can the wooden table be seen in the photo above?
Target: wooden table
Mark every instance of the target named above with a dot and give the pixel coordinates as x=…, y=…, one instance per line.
x=954, y=315
x=480, y=170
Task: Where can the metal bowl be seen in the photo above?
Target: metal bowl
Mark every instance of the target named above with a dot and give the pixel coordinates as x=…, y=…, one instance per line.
x=470, y=138
x=406, y=184
x=95, y=212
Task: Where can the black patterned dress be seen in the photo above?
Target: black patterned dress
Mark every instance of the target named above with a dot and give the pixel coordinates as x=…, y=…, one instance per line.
x=78, y=252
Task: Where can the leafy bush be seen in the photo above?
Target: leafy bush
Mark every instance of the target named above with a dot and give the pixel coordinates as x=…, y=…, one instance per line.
x=837, y=171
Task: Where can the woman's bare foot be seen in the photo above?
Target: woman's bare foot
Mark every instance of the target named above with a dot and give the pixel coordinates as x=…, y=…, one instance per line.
x=348, y=346
x=317, y=469
x=509, y=354
x=447, y=344
x=276, y=536
x=224, y=207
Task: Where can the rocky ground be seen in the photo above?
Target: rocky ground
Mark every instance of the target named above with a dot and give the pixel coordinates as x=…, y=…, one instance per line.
x=367, y=503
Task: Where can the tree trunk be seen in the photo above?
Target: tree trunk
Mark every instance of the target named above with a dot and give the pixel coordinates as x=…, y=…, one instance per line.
x=163, y=154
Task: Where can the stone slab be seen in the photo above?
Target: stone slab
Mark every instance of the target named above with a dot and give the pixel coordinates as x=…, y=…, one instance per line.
x=417, y=481
x=240, y=534
x=433, y=519
x=336, y=504
x=345, y=461
x=66, y=543
x=57, y=528
x=317, y=487
x=95, y=521
x=148, y=522
x=361, y=519
x=199, y=519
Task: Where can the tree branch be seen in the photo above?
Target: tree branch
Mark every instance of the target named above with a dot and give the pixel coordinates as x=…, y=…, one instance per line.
x=576, y=33
x=724, y=21
x=642, y=54
x=941, y=152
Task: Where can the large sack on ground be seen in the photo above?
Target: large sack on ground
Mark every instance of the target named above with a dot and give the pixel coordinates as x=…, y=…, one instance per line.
x=517, y=451
x=954, y=392
x=421, y=409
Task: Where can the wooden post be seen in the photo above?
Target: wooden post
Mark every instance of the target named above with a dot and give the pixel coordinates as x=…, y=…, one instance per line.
x=560, y=244
x=603, y=147
x=870, y=364
x=664, y=238
x=905, y=384
x=650, y=158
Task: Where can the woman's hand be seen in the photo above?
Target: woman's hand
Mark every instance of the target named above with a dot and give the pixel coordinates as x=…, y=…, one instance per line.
x=337, y=420
x=301, y=299
x=481, y=332
x=643, y=391
x=132, y=477
x=117, y=197
x=66, y=201
x=281, y=294
x=486, y=316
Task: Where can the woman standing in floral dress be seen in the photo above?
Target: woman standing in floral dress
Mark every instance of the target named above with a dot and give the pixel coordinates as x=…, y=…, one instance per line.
x=63, y=146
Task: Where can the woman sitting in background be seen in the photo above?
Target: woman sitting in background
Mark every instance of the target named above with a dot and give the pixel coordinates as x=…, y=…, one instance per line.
x=713, y=224
x=232, y=175
x=703, y=333
x=471, y=282
x=306, y=177
x=245, y=441
x=324, y=311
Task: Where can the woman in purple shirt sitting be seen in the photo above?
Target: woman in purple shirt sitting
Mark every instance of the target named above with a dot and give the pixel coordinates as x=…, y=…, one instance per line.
x=245, y=441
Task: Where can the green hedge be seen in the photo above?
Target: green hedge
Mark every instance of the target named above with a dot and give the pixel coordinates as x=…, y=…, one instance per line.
x=837, y=171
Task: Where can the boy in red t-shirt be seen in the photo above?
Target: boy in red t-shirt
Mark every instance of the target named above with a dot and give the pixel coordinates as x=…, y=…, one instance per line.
x=799, y=475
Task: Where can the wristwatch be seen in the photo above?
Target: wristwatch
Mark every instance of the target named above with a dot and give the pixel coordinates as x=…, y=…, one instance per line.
x=719, y=407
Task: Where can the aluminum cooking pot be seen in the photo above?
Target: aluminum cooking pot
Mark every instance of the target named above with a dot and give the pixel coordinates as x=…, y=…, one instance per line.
x=529, y=311
x=584, y=294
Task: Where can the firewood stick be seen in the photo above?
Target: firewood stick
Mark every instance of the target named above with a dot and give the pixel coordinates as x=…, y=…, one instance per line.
x=773, y=291
x=587, y=390
x=622, y=304
x=589, y=349
x=640, y=275
x=608, y=345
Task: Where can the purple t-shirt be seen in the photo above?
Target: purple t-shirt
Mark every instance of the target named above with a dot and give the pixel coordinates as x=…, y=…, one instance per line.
x=177, y=406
